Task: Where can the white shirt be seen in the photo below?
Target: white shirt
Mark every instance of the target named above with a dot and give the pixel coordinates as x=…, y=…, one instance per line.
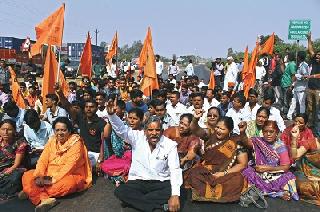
x=201, y=84
x=103, y=114
x=38, y=139
x=173, y=81
x=173, y=69
x=50, y=117
x=275, y=116
x=159, y=67
x=237, y=117
x=218, y=70
x=254, y=110
x=203, y=120
x=160, y=164
x=207, y=105
x=189, y=69
x=231, y=75
x=176, y=111
x=113, y=69
x=260, y=72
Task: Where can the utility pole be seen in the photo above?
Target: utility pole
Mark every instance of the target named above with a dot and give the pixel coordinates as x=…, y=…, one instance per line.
x=96, y=32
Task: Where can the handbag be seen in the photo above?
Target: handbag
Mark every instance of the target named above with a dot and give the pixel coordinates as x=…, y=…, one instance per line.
x=252, y=195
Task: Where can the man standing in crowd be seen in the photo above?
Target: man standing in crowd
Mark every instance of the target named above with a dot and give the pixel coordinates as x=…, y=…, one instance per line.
x=313, y=91
x=231, y=74
x=155, y=176
x=287, y=81
x=173, y=68
x=4, y=77
x=189, y=69
x=159, y=66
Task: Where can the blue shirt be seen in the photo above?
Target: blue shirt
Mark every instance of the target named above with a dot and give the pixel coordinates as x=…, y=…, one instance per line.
x=143, y=107
x=38, y=139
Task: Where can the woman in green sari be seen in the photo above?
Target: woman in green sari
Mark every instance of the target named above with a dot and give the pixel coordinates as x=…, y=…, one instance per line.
x=254, y=127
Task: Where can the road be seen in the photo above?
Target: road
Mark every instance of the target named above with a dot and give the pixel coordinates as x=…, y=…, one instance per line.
x=100, y=198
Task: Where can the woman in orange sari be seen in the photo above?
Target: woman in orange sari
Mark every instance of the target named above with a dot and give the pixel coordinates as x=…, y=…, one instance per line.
x=63, y=168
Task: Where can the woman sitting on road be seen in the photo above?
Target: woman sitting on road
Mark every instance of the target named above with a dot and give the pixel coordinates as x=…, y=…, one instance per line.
x=217, y=177
x=304, y=151
x=12, y=152
x=270, y=171
x=117, y=165
x=188, y=144
x=63, y=168
x=213, y=116
x=254, y=127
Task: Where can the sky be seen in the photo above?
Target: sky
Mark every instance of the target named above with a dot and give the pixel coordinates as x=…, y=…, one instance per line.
x=201, y=27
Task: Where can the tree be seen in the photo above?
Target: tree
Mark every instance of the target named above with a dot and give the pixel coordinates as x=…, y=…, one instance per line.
x=127, y=52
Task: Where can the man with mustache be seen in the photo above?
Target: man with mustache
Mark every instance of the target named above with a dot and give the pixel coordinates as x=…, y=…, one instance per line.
x=155, y=176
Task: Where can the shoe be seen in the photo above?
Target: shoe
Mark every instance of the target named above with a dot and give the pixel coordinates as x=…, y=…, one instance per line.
x=46, y=205
x=22, y=195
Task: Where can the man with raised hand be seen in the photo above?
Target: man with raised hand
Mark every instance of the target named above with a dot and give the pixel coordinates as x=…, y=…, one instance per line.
x=155, y=176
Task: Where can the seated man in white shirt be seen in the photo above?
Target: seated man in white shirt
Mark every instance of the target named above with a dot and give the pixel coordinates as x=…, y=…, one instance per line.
x=237, y=113
x=161, y=112
x=210, y=101
x=175, y=109
x=155, y=175
x=252, y=105
x=172, y=80
x=53, y=111
x=268, y=100
x=197, y=103
x=102, y=110
x=37, y=133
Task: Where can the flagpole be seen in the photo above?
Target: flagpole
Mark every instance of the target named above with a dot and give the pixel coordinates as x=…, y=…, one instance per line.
x=57, y=80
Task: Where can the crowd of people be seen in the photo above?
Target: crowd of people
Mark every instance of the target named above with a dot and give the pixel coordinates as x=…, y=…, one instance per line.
x=216, y=142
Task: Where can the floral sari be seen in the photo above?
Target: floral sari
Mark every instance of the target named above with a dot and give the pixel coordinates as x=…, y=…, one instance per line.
x=275, y=184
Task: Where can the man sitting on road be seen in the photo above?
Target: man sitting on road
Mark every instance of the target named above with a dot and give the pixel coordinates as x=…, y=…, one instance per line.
x=155, y=176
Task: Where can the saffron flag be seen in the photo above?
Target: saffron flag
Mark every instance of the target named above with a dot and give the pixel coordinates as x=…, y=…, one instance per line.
x=86, y=59
x=246, y=77
x=16, y=93
x=250, y=80
x=49, y=75
x=143, y=53
x=267, y=47
x=212, y=82
x=49, y=31
x=113, y=49
x=150, y=80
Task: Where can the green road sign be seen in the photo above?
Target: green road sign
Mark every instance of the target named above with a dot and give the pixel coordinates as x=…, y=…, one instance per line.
x=299, y=29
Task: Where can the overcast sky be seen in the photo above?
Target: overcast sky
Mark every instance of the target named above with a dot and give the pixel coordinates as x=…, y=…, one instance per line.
x=202, y=27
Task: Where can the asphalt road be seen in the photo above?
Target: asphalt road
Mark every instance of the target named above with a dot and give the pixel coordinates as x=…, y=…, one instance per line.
x=100, y=198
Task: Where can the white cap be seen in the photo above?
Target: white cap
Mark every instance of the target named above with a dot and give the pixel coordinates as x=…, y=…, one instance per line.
x=230, y=58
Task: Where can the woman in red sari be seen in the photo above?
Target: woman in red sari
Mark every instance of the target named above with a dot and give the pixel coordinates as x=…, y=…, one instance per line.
x=304, y=151
x=306, y=139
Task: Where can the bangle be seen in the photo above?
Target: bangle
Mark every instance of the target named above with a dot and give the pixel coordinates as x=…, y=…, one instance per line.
x=225, y=172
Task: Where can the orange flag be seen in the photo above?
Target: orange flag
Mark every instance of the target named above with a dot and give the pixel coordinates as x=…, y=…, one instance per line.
x=113, y=49
x=49, y=31
x=143, y=53
x=150, y=80
x=250, y=74
x=246, y=77
x=267, y=47
x=212, y=82
x=63, y=84
x=16, y=93
x=49, y=75
x=86, y=59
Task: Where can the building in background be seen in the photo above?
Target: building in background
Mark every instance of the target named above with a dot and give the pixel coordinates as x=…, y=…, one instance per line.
x=75, y=50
